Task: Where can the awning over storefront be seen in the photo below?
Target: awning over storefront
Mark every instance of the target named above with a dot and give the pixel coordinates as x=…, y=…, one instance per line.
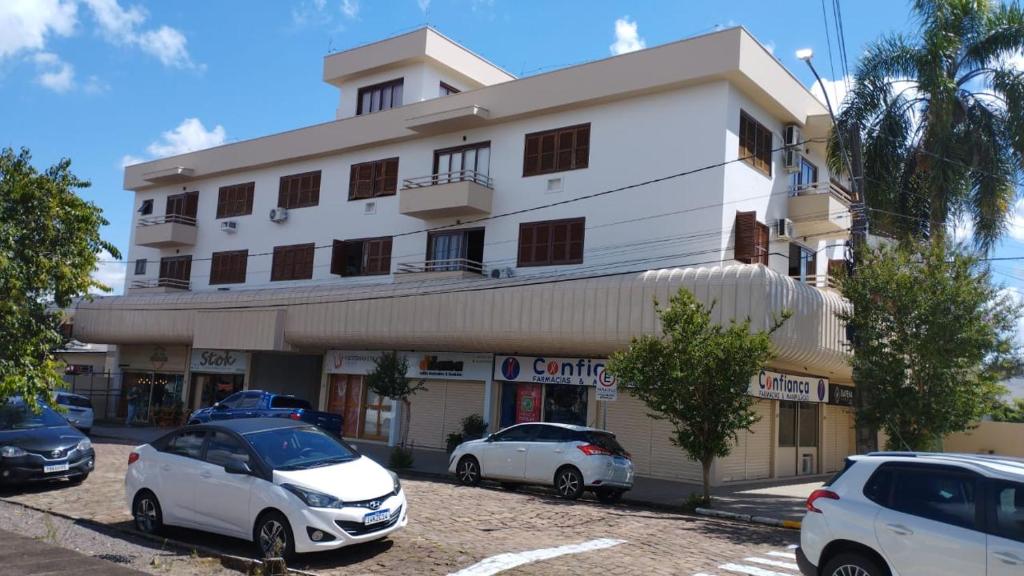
x=585, y=317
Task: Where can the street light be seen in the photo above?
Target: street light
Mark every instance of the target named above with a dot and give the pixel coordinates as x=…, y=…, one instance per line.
x=806, y=54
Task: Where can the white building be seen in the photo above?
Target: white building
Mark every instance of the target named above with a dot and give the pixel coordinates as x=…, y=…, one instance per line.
x=507, y=233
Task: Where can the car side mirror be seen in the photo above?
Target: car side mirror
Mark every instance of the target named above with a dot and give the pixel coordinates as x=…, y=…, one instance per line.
x=237, y=467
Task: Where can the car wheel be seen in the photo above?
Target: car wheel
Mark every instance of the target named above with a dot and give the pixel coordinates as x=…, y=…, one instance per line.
x=609, y=495
x=468, y=471
x=509, y=486
x=569, y=483
x=273, y=536
x=149, y=519
x=852, y=564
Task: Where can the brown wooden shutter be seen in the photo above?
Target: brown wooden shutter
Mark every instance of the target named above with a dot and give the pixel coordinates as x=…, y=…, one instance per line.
x=745, y=237
x=338, y=258
x=576, y=234
x=390, y=180
x=525, y=244
x=531, y=156
x=582, y=159
x=762, y=245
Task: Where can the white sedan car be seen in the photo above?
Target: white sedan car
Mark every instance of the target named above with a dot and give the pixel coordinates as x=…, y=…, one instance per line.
x=573, y=459
x=282, y=484
x=79, y=410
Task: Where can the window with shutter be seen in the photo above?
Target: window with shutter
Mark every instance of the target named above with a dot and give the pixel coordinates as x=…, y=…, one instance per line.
x=746, y=237
x=551, y=242
x=299, y=190
x=175, y=269
x=293, y=262
x=556, y=150
x=755, y=143
x=372, y=179
x=235, y=200
x=364, y=257
x=185, y=205
x=228, y=267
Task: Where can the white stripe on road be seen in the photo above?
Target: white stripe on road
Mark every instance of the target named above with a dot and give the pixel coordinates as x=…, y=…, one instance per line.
x=752, y=570
x=775, y=563
x=789, y=555
x=502, y=562
x=792, y=546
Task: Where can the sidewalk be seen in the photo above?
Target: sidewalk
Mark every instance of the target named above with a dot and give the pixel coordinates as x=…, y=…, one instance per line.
x=21, y=555
x=778, y=499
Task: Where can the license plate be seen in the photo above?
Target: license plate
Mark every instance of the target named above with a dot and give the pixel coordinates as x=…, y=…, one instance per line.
x=55, y=468
x=376, y=517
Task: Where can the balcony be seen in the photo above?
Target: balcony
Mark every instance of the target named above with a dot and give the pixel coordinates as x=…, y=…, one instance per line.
x=449, y=194
x=438, y=269
x=821, y=282
x=462, y=118
x=158, y=285
x=821, y=210
x=166, y=231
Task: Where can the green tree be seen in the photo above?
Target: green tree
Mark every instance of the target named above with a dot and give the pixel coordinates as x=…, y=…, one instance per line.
x=1009, y=411
x=388, y=379
x=49, y=240
x=933, y=338
x=696, y=375
x=941, y=116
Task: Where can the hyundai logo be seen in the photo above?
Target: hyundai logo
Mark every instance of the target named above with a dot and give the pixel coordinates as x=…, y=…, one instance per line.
x=374, y=504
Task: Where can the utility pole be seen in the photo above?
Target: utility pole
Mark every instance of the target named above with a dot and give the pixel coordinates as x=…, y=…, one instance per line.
x=866, y=436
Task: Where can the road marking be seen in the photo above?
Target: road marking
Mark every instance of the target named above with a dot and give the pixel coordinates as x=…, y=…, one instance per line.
x=792, y=546
x=752, y=570
x=775, y=563
x=789, y=555
x=502, y=562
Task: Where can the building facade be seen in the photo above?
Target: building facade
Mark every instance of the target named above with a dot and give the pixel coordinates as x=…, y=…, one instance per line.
x=507, y=235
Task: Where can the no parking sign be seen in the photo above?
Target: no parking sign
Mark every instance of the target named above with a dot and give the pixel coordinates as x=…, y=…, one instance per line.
x=607, y=386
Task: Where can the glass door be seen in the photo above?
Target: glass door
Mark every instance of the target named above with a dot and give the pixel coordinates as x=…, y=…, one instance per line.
x=471, y=162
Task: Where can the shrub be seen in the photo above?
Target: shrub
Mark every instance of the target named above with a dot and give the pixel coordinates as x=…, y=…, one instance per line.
x=473, y=427
x=401, y=458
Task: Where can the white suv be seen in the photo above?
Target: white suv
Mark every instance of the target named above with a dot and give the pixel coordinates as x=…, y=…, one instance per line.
x=570, y=458
x=917, y=514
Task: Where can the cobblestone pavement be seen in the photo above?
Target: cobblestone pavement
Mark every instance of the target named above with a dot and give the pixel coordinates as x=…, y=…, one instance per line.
x=452, y=528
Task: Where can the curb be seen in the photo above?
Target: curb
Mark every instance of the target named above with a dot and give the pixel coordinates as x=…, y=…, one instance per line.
x=790, y=524
x=230, y=561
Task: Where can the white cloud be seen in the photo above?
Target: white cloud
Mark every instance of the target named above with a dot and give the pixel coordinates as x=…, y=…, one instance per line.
x=128, y=160
x=423, y=4
x=122, y=26
x=26, y=24
x=626, y=37
x=350, y=8
x=95, y=85
x=54, y=73
x=962, y=229
x=836, y=89
x=1016, y=229
x=769, y=46
x=109, y=273
x=188, y=136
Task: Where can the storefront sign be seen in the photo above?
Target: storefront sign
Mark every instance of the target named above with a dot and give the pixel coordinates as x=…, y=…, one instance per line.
x=528, y=403
x=607, y=387
x=780, y=386
x=840, y=395
x=544, y=370
x=422, y=365
x=219, y=361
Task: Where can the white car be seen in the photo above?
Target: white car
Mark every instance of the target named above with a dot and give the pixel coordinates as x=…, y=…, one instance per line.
x=79, y=410
x=573, y=459
x=285, y=485
x=917, y=514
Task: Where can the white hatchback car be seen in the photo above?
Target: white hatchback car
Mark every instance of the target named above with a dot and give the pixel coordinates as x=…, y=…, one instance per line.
x=285, y=485
x=917, y=514
x=573, y=459
x=79, y=410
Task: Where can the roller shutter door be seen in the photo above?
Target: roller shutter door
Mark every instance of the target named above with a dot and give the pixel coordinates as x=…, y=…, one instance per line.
x=648, y=441
x=461, y=399
x=751, y=457
x=439, y=409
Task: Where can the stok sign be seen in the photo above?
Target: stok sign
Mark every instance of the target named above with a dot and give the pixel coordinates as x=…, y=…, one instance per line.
x=219, y=361
x=781, y=386
x=543, y=370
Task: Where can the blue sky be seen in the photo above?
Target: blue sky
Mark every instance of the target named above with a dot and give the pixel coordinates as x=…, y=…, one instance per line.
x=102, y=81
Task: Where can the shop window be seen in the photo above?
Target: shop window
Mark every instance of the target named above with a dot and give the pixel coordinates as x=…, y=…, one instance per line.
x=555, y=403
x=209, y=389
x=565, y=404
x=808, y=424
x=376, y=416
x=798, y=422
x=787, y=424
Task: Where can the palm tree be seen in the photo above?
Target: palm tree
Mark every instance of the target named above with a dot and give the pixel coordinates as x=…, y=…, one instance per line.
x=941, y=118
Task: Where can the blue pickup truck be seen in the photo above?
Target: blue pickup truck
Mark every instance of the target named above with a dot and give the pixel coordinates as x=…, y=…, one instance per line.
x=260, y=404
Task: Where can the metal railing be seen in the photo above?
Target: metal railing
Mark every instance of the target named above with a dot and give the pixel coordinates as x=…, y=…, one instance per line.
x=818, y=281
x=448, y=178
x=449, y=265
x=832, y=187
x=177, y=283
x=167, y=219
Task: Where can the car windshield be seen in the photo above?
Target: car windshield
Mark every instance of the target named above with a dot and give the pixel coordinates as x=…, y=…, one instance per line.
x=18, y=416
x=300, y=448
x=289, y=402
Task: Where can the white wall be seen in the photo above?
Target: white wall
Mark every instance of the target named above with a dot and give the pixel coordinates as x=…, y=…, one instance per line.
x=674, y=222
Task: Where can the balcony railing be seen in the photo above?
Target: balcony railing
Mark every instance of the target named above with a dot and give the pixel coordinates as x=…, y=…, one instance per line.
x=818, y=281
x=167, y=219
x=831, y=187
x=175, y=283
x=449, y=265
x=448, y=178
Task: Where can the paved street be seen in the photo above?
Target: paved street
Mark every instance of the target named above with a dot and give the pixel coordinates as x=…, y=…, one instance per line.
x=452, y=528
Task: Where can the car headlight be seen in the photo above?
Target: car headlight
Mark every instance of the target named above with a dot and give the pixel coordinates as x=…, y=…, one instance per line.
x=397, y=482
x=314, y=499
x=12, y=452
x=84, y=445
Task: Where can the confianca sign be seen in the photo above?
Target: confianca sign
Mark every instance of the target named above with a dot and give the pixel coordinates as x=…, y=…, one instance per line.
x=781, y=386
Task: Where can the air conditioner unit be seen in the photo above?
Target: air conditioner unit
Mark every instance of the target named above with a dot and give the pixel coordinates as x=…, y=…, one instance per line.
x=278, y=214
x=783, y=229
x=229, y=226
x=794, y=144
